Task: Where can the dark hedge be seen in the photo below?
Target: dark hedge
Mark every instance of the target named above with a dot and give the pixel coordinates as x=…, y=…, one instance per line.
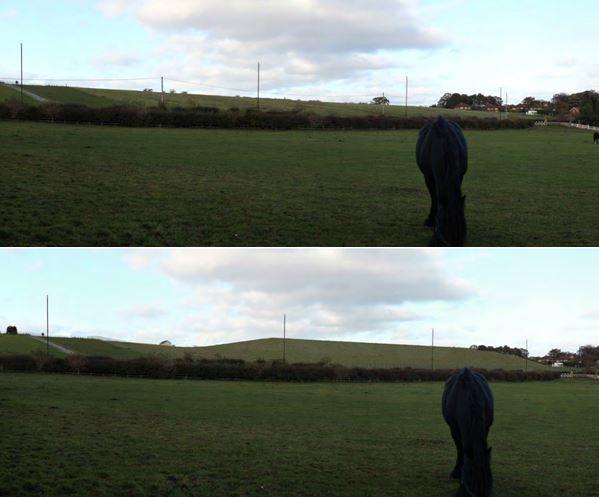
x=236, y=369
x=209, y=117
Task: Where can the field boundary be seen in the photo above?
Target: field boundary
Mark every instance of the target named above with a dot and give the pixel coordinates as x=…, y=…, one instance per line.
x=570, y=125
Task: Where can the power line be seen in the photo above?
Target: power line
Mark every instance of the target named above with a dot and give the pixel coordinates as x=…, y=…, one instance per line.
x=195, y=83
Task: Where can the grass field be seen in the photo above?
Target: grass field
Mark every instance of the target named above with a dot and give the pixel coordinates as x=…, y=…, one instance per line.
x=368, y=355
x=371, y=355
x=22, y=344
x=95, y=97
x=94, y=186
x=345, y=353
x=71, y=436
x=8, y=95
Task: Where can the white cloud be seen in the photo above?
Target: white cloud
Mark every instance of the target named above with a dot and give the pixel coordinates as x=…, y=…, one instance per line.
x=326, y=293
x=298, y=41
x=8, y=14
x=143, y=311
x=116, y=59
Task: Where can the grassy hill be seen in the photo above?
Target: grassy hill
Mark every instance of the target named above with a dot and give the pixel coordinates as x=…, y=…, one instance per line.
x=97, y=97
x=23, y=344
x=8, y=95
x=369, y=355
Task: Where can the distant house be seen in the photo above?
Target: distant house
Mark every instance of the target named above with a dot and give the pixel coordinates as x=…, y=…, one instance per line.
x=166, y=343
x=462, y=106
x=532, y=112
x=557, y=364
x=491, y=108
x=11, y=330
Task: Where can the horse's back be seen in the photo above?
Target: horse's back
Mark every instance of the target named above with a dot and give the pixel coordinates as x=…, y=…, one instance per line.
x=437, y=138
x=459, y=391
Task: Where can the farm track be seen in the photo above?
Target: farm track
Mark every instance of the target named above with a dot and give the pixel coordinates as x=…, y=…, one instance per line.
x=35, y=97
x=62, y=349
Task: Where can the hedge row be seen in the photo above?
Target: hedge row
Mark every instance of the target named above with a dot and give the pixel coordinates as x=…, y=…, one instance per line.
x=228, y=369
x=209, y=117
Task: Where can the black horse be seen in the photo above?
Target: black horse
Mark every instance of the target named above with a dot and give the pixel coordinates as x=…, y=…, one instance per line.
x=468, y=410
x=596, y=138
x=442, y=156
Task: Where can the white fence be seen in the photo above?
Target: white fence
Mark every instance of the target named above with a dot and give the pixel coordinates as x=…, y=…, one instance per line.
x=567, y=125
x=573, y=375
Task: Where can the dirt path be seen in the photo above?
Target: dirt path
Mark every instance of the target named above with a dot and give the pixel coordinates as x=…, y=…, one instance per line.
x=35, y=97
x=54, y=345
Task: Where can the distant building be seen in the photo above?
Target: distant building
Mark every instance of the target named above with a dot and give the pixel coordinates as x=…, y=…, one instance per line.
x=11, y=330
x=557, y=364
x=532, y=112
x=166, y=343
x=462, y=106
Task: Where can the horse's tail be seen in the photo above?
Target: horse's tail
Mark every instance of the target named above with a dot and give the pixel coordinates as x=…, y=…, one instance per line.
x=475, y=402
x=446, y=154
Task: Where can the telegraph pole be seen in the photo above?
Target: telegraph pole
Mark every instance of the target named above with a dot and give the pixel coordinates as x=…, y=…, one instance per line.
x=284, y=335
x=406, y=97
x=47, y=326
x=162, y=91
x=433, y=350
x=258, y=85
x=21, y=73
x=526, y=358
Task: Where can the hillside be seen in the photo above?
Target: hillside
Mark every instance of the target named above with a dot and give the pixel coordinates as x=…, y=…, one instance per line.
x=369, y=355
x=24, y=344
x=96, y=97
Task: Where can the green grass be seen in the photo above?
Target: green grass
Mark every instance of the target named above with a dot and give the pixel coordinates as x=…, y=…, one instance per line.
x=9, y=95
x=95, y=97
x=23, y=344
x=98, y=186
x=94, y=347
x=68, y=95
x=72, y=436
x=369, y=355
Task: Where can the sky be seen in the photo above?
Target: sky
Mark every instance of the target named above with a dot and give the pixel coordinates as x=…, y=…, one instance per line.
x=212, y=296
x=336, y=50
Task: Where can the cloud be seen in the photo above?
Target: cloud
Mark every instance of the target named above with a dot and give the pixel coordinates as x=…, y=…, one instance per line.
x=298, y=41
x=594, y=314
x=143, y=312
x=348, y=277
x=8, y=13
x=326, y=293
x=115, y=59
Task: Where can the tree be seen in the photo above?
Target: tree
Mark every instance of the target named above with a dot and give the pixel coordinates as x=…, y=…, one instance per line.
x=554, y=354
x=11, y=330
x=380, y=100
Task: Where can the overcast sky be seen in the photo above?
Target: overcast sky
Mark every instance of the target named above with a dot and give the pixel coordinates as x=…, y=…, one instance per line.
x=211, y=296
x=329, y=49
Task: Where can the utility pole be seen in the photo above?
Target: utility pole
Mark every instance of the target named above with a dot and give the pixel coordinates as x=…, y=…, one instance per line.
x=526, y=358
x=501, y=101
x=433, y=350
x=406, y=97
x=47, y=326
x=21, y=73
x=258, y=85
x=284, y=335
x=162, y=91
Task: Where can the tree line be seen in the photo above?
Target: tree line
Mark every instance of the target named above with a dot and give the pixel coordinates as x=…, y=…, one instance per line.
x=582, y=106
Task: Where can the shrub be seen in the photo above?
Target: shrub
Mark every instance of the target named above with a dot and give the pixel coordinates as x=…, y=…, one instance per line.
x=237, y=369
x=206, y=117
